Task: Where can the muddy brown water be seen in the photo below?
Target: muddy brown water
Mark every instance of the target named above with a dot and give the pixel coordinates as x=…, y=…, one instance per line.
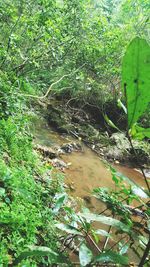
x=86, y=170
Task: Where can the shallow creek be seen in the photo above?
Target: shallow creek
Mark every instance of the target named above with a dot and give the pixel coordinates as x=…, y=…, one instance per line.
x=86, y=171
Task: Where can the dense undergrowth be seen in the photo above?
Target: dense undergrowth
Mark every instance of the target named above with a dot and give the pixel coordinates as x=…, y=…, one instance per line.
x=74, y=50
x=27, y=194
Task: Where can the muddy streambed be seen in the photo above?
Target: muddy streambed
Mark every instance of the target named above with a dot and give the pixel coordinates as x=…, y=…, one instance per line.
x=86, y=170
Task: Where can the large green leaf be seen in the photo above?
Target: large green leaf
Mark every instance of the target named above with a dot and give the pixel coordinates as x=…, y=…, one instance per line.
x=105, y=220
x=110, y=256
x=35, y=251
x=68, y=228
x=136, y=78
x=124, y=249
x=85, y=255
x=61, y=198
x=102, y=232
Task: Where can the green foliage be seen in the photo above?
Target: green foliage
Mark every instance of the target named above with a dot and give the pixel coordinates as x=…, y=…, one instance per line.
x=105, y=220
x=120, y=179
x=80, y=228
x=139, y=133
x=121, y=105
x=112, y=200
x=60, y=200
x=68, y=228
x=85, y=255
x=36, y=251
x=26, y=214
x=15, y=140
x=40, y=42
x=135, y=79
x=110, y=256
x=102, y=232
x=110, y=123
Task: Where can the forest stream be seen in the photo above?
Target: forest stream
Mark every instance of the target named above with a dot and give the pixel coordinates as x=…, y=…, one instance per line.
x=86, y=170
x=74, y=133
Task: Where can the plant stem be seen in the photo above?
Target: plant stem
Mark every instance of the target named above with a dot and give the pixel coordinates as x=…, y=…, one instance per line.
x=118, y=242
x=145, y=255
x=99, y=250
x=139, y=165
x=147, y=250
x=107, y=239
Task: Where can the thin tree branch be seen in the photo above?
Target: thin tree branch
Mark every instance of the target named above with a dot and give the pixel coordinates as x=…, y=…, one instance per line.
x=54, y=83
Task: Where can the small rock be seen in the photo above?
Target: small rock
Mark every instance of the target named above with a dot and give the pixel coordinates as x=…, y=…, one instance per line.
x=60, y=151
x=59, y=164
x=46, y=151
x=66, y=186
x=87, y=199
x=71, y=187
x=70, y=147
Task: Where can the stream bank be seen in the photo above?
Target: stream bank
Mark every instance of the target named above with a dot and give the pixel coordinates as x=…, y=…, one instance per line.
x=112, y=146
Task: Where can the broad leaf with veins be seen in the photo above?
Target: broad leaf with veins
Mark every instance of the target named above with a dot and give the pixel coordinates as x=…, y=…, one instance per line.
x=136, y=79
